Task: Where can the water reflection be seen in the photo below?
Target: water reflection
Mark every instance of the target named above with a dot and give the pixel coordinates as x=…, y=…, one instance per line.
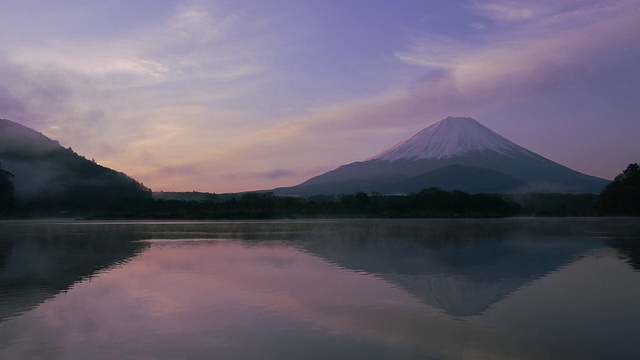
x=590, y=304
x=497, y=289
x=628, y=249
x=38, y=261
x=236, y=301
x=461, y=270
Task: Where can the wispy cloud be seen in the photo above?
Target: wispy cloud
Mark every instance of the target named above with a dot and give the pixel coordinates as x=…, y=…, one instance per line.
x=504, y=65
x=508, y=10
x=192, y=42
x=269, y=175
x=553, y=38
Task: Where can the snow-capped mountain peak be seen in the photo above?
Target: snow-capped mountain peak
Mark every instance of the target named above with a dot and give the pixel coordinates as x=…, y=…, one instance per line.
x=449, y=137
x=455, y=153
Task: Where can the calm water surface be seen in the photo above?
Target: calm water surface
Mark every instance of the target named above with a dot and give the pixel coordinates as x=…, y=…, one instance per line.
x=434, y=289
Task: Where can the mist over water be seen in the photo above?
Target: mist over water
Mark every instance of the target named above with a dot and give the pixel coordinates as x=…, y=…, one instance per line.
x=409, y=289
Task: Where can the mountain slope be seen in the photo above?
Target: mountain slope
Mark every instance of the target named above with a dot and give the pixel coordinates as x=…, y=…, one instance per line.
x=454, y=177
x=451, y=142
x=49, y=177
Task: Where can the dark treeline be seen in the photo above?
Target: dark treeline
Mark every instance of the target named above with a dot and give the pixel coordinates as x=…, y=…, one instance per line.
x=7, y=200
x=555, y=204
x=432, y=203
x=428, y=203
x=622, y=195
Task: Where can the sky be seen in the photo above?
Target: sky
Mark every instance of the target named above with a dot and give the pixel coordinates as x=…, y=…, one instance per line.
x=238, y=95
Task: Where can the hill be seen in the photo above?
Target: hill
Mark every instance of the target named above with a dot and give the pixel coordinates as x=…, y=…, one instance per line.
x=50, y=178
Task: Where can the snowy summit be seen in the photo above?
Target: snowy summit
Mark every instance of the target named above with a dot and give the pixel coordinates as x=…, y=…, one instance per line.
x=449, y=137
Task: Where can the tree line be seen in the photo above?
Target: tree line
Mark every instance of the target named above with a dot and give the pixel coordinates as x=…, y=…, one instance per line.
x=7, y=201
x=622, y=195
x=432, y=203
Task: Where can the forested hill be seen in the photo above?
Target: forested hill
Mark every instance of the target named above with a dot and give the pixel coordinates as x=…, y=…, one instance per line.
x=50, y=178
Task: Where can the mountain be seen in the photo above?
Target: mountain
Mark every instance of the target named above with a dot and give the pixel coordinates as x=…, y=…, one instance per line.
x=456, y=153
x=49, y=177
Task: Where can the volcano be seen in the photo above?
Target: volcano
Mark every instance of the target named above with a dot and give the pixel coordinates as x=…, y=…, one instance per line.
x=456, y=153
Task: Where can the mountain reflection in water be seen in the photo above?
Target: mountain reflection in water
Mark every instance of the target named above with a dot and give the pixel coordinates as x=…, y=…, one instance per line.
x=40, y=260
x=461, y=270
x=330, y=289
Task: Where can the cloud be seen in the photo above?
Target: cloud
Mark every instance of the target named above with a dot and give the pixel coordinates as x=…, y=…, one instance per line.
x=178, y=170
x=508, y=10
x=59, y=103
x=25, y=94
x=192, y=42
x=270, y=175
x=557, y=40
x=503, y=66
x=277, y=174
x=11, y=106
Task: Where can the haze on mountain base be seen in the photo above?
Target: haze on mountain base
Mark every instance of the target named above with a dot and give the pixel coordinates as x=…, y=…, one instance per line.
x=48, y=177
x=456, y=153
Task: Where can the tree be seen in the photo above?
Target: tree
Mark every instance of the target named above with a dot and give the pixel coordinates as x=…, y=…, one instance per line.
x=622, y=195
x=6, y=190
x=630, y=175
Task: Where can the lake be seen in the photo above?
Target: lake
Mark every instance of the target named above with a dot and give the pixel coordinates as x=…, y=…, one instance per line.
x=347, y=289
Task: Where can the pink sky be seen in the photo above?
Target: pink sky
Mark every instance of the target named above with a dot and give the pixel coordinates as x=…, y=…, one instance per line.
x=232, y=96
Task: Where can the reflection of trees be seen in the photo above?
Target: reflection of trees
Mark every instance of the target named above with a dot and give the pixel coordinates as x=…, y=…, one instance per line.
x=5, y=253
x=39, y=261
x=629, y=250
